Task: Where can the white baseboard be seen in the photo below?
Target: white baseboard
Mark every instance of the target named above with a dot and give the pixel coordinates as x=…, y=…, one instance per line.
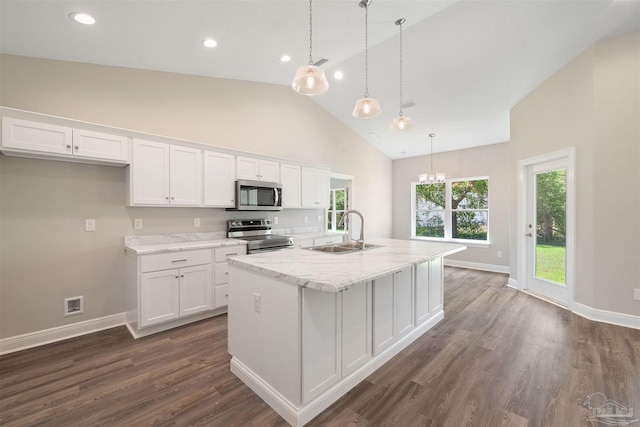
x=47, y=336
x=477, y=266
x=605, y=316
x=512, y=283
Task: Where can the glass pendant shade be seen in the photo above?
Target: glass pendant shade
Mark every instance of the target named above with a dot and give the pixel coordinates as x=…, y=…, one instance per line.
x=366, y=108
x=310, y=80
x=401, y=123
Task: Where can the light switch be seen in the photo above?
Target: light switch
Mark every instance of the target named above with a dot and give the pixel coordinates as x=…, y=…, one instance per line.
x=196, y=222
x=89, y=225
x=137, y=224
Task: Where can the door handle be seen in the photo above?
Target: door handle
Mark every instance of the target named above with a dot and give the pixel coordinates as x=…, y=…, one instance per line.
x=529, y=234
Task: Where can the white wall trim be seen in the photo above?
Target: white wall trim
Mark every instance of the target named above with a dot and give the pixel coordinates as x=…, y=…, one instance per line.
x=47, y=336
x=611, y=317
x=512, y=283
x=477, y=266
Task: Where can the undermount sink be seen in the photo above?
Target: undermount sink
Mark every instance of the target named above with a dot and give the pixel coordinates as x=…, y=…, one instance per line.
x=342, y=248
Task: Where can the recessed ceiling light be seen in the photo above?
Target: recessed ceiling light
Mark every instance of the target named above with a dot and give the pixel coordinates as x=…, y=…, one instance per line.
x=338, y=75
x=210, y=43
x=285, y=58
x=82, y=18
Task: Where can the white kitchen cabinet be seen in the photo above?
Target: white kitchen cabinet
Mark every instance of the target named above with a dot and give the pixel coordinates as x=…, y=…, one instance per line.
x=356, y=327
x=221, y=273
x=257, y=169
x=219, y=179
x=315, y=187
x=42, y=140
x=164, y=174
x=321, y=346
x=392, y=309
x=168, y=286
x=291, y=185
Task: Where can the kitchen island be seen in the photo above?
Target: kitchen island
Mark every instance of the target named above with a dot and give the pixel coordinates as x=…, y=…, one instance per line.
x=305, y=326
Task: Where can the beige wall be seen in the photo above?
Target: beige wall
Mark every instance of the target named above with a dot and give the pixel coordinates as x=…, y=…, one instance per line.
x=491, y=161
x=592, y=104
x=47, y=256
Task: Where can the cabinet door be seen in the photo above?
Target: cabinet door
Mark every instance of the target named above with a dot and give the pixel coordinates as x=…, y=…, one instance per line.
x=103, y=146
x=195, y=289
x=269, y=171
x=150, y=173
x=36, y=137
x=186, y=176
x=322, y=188
x=308, y=184
x=422, y=293
x=383, y=316
x=221, y=296
x=321, y=352
x=290, y=179
x=247, y=168
x=436, y=302
x=403, y=307
x=356, y=328
x=219, y=179
x=159, y=297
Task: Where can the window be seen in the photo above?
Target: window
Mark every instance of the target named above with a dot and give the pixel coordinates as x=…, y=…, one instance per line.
x=337, y=206
x=457, y=209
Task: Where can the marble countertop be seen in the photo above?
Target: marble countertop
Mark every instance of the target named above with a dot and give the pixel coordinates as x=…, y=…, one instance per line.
x=142, y=245
x=315, y=235
x=334, y=273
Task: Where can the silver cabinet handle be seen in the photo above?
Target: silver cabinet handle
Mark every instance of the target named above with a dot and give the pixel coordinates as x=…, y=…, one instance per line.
x=76, y=147
x=179, y=260
x=167, y=197
x=177, y=277
x=182, y=275
x=68, y=146
x=173, y=198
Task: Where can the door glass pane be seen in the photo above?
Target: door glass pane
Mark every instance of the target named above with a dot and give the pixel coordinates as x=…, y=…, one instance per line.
x=551, y=203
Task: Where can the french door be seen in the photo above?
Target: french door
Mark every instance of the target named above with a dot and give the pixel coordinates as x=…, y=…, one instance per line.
x=548, y=228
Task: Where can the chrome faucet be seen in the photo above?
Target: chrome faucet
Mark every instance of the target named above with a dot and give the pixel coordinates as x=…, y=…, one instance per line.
x=361, y=240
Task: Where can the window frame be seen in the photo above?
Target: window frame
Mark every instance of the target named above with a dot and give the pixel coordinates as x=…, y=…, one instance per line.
x=448, y=212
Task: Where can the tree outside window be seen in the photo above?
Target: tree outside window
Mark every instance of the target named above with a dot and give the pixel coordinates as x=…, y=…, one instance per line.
x=337, y=206
x=457, y=209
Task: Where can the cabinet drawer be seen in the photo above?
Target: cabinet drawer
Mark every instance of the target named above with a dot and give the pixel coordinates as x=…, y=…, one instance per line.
x=221, y=295
x=222, y=253
x=169, y=260
x=221, y=274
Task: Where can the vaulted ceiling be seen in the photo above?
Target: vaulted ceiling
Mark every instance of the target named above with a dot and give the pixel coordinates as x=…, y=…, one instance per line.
x=466, y=63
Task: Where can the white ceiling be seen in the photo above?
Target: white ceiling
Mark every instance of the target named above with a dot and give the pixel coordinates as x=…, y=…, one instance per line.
x=466, y=63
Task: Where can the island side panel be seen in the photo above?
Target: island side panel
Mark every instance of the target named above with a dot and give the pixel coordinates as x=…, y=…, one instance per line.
x=266, y=339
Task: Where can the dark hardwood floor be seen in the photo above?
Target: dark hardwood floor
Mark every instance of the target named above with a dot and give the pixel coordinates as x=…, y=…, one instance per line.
x=499, y=358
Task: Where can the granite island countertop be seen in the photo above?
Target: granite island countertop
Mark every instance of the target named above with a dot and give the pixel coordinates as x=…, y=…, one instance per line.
x=337, y=272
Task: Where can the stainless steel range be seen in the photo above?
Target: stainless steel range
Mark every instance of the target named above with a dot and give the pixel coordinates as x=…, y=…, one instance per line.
x=257, y=234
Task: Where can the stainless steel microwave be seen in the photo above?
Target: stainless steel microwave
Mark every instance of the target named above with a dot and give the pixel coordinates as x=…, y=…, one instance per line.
x=258, y=196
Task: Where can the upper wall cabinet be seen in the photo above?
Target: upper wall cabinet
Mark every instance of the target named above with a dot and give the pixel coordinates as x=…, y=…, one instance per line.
x=291, y=185
x=315, y=188
x=219, y=179
x=257, y=169
x=164, y=174
x=41, y=140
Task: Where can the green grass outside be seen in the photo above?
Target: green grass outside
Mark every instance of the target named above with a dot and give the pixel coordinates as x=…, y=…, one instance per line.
x=551, y=262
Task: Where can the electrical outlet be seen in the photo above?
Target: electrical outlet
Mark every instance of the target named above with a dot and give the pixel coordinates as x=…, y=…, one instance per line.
x=499, y=254
x=319, y=218
x=89, y=225
x=196, y=222
x=257, y=303
x=137, y=224
x=275, y=220
x=636, y=294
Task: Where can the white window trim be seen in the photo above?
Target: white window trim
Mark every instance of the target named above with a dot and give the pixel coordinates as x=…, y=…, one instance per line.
x=447, y=216
x=332, y=208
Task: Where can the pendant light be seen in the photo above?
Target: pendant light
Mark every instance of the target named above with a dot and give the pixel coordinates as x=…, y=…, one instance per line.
x=401, y=123
x=366, y=107
x=310, y=79
x=431, y=178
